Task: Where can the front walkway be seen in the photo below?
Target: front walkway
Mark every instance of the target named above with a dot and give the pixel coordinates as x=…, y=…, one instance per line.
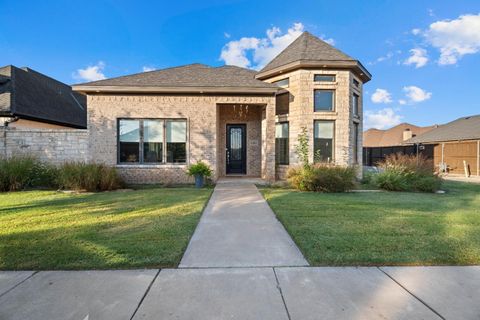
x=238, y=229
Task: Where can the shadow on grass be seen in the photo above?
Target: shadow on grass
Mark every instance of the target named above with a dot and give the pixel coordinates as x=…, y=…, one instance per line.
x=138, y=229
x=383, y=228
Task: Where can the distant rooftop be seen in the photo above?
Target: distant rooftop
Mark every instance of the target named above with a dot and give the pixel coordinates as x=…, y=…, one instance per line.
x=465, y=128
x=393, y=136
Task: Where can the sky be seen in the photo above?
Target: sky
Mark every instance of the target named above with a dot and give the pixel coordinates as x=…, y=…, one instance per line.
x=424, y=55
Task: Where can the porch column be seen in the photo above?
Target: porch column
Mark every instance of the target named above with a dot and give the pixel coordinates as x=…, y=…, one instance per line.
x=268, y=141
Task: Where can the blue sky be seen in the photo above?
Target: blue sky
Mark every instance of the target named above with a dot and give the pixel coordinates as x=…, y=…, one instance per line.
x=424, y=55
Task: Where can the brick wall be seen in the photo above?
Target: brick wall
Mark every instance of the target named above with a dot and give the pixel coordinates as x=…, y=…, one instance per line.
x=50, y=145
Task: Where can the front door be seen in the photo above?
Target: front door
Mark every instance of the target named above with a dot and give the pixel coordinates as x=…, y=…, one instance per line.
x=236, y=149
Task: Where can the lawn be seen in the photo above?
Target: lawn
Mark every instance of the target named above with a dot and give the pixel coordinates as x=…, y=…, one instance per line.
x=383, y=228
x=124, y=229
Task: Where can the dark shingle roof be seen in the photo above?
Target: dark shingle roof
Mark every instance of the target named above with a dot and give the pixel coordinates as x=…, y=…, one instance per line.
x=308, y=51
x=188, y=76
x=30, y=94
x=466, y=128
x=307, y=47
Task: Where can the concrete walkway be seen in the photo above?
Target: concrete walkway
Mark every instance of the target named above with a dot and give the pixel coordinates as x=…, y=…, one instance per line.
x=238, y=229
x=283, y=293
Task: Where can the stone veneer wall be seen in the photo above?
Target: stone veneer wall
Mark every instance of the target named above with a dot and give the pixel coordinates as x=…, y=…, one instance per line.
x=301, y=111
x=55, y=146
x=200, y=111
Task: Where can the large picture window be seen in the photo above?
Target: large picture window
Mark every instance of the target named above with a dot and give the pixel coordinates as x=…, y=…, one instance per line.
x=355, y=142
x=324, y=100
x=281, y=143
x=152, y=141
x=324, y=132
x=355, y=104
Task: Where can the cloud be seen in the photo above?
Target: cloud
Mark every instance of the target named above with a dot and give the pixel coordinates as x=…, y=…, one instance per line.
x=381, y=96
x=402, y=101
x=147, y=69
x=416, y=31
x=226, y=35
x=91, y=73
x=455, y=38
x=416, y=94
x=418, y=57
x=252, y=52
x=382, y=119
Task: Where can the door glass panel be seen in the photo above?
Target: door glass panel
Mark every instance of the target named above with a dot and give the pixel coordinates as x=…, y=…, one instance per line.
x=235, y=144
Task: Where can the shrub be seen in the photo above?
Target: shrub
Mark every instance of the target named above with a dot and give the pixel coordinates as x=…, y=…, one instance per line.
x=21, y=172
x=199, y=168
x=407, y=173
x=322, y=178
x=88, y=176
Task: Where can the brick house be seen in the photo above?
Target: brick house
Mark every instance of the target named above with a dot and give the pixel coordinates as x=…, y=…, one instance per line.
x=152, y=125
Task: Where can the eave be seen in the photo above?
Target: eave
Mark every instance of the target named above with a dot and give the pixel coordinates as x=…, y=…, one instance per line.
x=353, y=65
x=155, y=89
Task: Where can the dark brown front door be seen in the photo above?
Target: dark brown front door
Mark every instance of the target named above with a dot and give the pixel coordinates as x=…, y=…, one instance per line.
x=236, y=149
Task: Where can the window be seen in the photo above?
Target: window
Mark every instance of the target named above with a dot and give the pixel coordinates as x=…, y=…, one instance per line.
x=282, y=83
x=323, y=78
x=129, y=141
x=282, y=104
x=323, y=100
x=323, y=141
x=153, y=141
x=144, y=141
x=356, y=83
x=355, y=104
x=355, y=143
x=281, y=143
x=176, y=141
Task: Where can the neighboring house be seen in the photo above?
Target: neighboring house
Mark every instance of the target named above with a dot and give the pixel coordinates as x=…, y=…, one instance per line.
x=29, y=99
x=454, y=143
x=378, y=144
x=152, y=125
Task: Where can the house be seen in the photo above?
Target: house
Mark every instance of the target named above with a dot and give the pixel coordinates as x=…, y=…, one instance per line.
x=29, y=99
x=454, y=144
x=378, y=144
x=152, y=125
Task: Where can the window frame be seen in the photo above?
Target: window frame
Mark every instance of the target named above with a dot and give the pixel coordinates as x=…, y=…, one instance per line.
x=288, y=143
x=332, y=160
x=356, y=83
x=356, y=144
x=324, y=75
x=333, y=100
x=282, y=86
x=141, y=160
x=355, y=107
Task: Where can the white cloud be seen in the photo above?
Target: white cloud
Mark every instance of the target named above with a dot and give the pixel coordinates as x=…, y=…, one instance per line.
x=382, y=119
x=418, y=57
x=381, y=96
x=416, y=94
x=455, y=38
x=252, y=52
x=402, y=102
x=226, y=35
x=91, y=73
x=147, y=69
x=416, y=31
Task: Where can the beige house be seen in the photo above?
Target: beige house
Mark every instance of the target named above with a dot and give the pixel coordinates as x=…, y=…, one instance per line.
x=154, y=124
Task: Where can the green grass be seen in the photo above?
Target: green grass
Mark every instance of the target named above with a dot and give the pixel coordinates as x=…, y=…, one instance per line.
x=383, y=228
x=42, y=230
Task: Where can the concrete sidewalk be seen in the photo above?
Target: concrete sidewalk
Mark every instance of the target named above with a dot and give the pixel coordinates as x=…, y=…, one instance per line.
x=238, y=229
x=295, y=293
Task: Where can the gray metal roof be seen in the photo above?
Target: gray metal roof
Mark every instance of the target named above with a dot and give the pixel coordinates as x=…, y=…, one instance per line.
x=307, y=47
x=31, y=95
x=465, y=128
x=188, y=76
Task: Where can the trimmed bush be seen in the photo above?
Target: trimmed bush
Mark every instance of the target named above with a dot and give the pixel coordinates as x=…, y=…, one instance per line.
x=407, y=173
x=322, y=178
x=88, y=176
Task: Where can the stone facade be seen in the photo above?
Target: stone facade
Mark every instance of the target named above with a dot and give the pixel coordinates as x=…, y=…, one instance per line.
x=205, y=125
x=301, y=112
x=55, y=146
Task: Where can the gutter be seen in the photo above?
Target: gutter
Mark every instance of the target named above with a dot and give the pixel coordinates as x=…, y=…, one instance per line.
x=154, y=89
